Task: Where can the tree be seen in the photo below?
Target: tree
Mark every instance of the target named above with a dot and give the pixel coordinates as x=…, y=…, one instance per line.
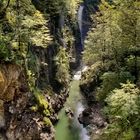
x=123, y=112
x=102, y=42
x=130, y=28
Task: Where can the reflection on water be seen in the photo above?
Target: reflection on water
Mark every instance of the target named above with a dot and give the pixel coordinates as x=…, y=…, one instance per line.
x=71, y=129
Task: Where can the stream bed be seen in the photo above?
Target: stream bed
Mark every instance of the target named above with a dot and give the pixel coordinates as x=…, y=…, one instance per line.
x=71, y=129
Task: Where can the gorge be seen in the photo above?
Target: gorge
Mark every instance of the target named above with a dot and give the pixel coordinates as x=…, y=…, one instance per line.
x=69, y=70
x=69, y=127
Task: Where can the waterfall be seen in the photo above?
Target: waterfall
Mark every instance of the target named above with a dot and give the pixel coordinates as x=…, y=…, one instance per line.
x=80, y=19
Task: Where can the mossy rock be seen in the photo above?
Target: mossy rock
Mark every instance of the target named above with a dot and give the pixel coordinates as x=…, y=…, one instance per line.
x=47, y=122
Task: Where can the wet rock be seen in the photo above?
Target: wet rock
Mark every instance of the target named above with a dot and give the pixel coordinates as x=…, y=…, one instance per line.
x=58, y=101
x=87, y=112
x=84, y=120
x=54, y=118
x=92, y=115
x=69, y=112
x=85, y=117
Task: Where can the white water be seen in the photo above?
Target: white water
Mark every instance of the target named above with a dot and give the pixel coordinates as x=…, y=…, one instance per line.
x=79, y=108
x=78, y=74
x=83, y=131
x=80, y=15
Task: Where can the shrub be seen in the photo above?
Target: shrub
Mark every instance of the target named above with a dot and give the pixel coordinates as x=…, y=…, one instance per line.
x=62, y=63
x=4, y=51
x=123, y=112
x=112, y=80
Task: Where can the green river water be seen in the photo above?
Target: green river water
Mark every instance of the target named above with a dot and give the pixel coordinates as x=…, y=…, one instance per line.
x=67, y=129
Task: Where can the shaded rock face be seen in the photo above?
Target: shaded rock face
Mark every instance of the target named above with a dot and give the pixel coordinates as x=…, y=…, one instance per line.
x=8, y=85
x=45, y=67
x=17, y=120
x=8, y=81
x=92, y=115
x=58, y=101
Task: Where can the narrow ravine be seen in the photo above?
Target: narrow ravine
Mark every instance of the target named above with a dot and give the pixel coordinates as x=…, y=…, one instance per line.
x=70, y=128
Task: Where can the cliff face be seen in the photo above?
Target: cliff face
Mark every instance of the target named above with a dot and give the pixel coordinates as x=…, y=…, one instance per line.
x=17, y=120
x=14, y=97
x=21, y=115
x=34, y=68
x=8, y=86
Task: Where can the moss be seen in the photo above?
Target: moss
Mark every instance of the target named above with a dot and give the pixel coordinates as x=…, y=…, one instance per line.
x=41, y=101
x=47, y=121
x=43, y=104
x=34, y=108
x=46, y=112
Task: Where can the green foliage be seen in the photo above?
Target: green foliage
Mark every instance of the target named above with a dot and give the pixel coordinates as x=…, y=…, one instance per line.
x=47, y=122
x=62, y=63
x=4, y=51
x=103, y=39
x=72, y=6
x=24, y=26
x=92, y=74
x=114, y=41
x=115, y=33
x=130, y=63
x=123, y=103
x=110, y=81
x=67, y=7
x=115, y=132
x=128, y=135
x=68, y=39
x=31, y=79
x=37, y=29
x=42, y=104
x=123, y=112
x=34, y=108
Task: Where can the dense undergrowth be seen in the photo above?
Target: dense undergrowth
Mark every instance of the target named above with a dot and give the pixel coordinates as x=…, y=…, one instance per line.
x=37, y=36
x=112, y=54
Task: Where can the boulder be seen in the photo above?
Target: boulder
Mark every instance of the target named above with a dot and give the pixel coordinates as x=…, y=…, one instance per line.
x=92, y=115
x=69, y=112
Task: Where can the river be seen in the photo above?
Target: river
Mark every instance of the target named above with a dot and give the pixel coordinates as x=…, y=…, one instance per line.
x=71, y=129
x=66, y=128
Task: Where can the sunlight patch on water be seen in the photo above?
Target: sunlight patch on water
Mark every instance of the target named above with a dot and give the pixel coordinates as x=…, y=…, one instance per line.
x=77, y=75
